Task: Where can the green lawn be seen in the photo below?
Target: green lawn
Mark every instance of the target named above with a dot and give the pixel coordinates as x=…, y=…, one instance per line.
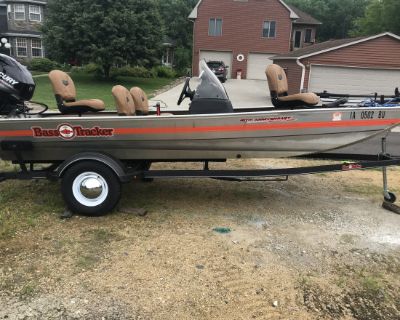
x=89, y=87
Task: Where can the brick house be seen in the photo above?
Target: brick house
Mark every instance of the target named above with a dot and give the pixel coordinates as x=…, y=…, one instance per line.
x=363, y=65
x=245, y=34
x=20, y=25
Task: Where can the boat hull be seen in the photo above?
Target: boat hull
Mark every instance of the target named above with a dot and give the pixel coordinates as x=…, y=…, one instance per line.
x=221, y=136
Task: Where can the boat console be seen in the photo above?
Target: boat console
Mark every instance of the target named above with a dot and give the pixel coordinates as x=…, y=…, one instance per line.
x=210, y=95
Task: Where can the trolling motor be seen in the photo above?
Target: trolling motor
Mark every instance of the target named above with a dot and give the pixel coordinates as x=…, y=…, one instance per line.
x=16, y=86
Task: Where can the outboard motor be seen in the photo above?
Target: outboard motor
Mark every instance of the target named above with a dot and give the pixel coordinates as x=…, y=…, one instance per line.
x=16, y=85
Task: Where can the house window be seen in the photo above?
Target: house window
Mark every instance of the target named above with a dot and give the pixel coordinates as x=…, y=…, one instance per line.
x=168, y=57
x=19, y=11
x=269, y=29
x=297, y=39
x=22, y=47
x=9, y=12
x=215, y=27
x=37, y=50
x=35, y=13
x=308, y=35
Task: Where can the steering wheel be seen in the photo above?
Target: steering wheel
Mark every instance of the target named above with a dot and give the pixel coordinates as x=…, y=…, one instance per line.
x=186, y=92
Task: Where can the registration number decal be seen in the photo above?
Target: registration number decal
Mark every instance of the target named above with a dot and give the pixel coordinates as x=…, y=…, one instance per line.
x=368, y=115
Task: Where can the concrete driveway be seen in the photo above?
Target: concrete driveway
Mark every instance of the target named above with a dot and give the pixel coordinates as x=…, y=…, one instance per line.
x=243, y=94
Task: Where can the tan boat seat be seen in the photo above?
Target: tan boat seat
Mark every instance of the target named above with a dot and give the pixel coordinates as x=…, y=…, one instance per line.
x=278, y=87
x=141, y=101
x=124, y=101
x=65, y=93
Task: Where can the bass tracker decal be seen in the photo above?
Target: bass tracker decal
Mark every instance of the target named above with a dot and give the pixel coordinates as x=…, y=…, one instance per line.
x=68, y=132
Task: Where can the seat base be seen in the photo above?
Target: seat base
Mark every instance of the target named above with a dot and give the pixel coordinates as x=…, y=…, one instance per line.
x=295, y=100
x=80, y=106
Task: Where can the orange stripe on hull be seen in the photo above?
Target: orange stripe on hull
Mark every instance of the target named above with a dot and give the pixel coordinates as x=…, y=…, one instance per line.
x=259, y=127
x=16, y=133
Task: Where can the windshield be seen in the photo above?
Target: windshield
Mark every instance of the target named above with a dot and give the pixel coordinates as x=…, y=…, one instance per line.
x=214, y=65
x=210, y=87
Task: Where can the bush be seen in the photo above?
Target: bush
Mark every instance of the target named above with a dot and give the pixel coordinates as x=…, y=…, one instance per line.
x=182, y=60
x=43, y=64
x=164, y=72
x=92, y=68
x=136, y=72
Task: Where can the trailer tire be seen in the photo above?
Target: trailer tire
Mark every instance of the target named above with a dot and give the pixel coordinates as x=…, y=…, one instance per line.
x=390, y=197
x=90, y=188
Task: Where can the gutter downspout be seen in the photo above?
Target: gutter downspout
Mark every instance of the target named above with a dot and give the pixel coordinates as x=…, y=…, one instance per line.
x=193, y=44
x=303, y=74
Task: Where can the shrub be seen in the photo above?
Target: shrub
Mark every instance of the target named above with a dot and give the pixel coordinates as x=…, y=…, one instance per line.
x=92, y=68
x=136, y=72
x=76, y=69
x=164, y=72
x=182, y=60
x=43, y=64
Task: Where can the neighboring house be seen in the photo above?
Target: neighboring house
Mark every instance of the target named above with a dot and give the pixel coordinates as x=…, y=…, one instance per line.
x=304, y=29
x=245, y=34
x=21, y=26
x=169, y=46
x=363, y=65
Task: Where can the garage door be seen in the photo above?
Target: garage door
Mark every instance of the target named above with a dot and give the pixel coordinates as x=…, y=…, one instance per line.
x=256, y=65
x=224, y=56
x=353, y=80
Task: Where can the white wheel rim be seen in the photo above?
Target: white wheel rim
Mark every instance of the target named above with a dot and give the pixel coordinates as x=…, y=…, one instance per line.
x=90, y=189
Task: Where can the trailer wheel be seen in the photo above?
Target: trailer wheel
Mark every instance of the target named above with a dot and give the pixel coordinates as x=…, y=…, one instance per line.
x=390, y=197
x=90, y=188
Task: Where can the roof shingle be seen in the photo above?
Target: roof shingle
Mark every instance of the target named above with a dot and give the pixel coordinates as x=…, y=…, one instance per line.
x=304, y=18
x=318, y=47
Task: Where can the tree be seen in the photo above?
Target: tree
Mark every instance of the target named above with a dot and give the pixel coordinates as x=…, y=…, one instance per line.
x=179, y=28
x=177, y=25
x=337, y=16
x=106, y=32
x=380, y=16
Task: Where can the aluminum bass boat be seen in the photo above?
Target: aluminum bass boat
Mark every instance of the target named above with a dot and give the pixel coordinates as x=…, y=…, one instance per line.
x=93, y=151
x=211, y=129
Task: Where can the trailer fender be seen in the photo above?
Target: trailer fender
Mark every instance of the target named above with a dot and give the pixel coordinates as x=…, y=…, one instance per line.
x=114, y=164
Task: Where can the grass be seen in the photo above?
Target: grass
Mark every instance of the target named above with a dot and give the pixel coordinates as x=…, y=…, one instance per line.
x=361, y=293
x=372, y=285
x=28, y=290
x=26, y=204
x=93, y=247
x=38, y=73
x=88, y=87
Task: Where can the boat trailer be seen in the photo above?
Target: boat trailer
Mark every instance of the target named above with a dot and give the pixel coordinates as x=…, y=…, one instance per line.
x=55, y=171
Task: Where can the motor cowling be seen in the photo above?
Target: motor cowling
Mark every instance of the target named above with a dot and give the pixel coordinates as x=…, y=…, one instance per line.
x=16, y=82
